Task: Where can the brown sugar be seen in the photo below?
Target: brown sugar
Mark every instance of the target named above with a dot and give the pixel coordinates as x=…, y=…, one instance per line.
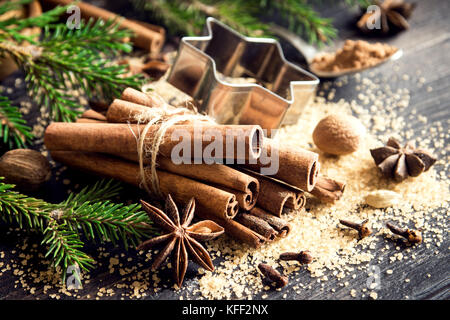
x=353, y=55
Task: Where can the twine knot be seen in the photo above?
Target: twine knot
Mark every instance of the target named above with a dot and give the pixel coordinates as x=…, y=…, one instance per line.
x=164, y=116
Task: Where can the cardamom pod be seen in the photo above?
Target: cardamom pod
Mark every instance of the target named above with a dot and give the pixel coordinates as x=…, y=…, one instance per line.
x=382, y=198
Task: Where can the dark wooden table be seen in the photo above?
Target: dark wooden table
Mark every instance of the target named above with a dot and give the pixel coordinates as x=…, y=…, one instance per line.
x=426, y=48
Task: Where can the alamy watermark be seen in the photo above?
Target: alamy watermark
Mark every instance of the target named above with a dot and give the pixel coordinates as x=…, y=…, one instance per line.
x=373, y=281
x=374, y=21
x=74, y=20
x=73, y=280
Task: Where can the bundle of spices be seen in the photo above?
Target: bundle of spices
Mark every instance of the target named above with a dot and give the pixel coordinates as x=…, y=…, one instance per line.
x=246, y=204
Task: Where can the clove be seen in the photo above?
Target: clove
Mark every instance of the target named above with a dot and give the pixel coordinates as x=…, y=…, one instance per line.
x=363, y=229
x=273, y=275
x=411, y=235
x=304, y=257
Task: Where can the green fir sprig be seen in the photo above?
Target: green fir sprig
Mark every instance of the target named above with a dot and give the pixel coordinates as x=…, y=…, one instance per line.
x=187, y=17
x=14, y=131
x=88, y=214
x=63, y=59
x=250, y=17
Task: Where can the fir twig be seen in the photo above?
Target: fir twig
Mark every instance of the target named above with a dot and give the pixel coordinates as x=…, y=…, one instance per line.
x=86, y=214
x=14, y=131
x=64, y=247
x=29, y=213
x=65, y=57
x=188, y=16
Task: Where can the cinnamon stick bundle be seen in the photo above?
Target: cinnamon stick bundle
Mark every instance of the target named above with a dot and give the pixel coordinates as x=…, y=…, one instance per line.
x=146, y=36
x=120, y=138
x=275, y=196
x=327, y=189
x=281, y=226
x=296, y=166
x=217, y=202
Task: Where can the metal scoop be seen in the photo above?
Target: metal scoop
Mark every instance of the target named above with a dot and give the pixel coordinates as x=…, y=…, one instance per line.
x=309, y=52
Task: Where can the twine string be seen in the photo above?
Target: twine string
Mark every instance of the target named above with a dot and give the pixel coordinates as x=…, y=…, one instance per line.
x=165, y=116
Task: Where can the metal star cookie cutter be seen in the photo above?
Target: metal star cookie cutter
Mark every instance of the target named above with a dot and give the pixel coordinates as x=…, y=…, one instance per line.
x=205, y=65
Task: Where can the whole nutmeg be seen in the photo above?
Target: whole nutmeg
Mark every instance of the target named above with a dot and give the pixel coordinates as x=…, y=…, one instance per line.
x=338, y=134
x=28, y=169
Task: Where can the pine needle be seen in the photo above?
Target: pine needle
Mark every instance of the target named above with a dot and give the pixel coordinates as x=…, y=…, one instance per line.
x=87, y=214
x=65, y=58
x=14, y=131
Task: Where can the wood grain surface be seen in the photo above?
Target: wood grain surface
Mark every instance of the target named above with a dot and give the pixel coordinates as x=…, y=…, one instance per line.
x=426, y=48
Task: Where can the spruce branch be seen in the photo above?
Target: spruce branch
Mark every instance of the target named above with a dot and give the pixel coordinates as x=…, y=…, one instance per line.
x=87, y=214
x=66, y=58
x=11, y=28
x=64, y=247
x=109, y=221
x=187, y=17
x=13, y=128
x=304, y=20
x=27, y=212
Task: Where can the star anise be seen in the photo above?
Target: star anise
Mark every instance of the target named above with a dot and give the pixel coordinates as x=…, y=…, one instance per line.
x=393, y=16
x=180, y=237
x=399, y=163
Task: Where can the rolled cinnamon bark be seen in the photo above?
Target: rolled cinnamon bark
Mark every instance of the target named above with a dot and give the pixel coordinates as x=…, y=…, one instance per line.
x=243, y=186
x=94, y=115
x=300, y=201
x=122, y=111
x=280, y=225
x=296, y=166
x=218, y=203
x=235, y=229
x=151, y=39
x=258, y=225
x=275, y=196
x=121, y=138
x=139, y=97
x=327, y=189
x=87, y=120
x=246, y=200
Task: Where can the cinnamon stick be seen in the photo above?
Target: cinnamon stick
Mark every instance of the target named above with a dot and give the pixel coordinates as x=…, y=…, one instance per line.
x=94, y=115
x=280, y=225
x=327, y=189
x=151, y=39
x=243, y=186
x=139, y=97
x=296, y=166
x=87, y=120
x=275, y=196
x=120, y=138
x=122, y=111
x=246, y=200
x=235, y=229
x=258, y=225
x=218, y=203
